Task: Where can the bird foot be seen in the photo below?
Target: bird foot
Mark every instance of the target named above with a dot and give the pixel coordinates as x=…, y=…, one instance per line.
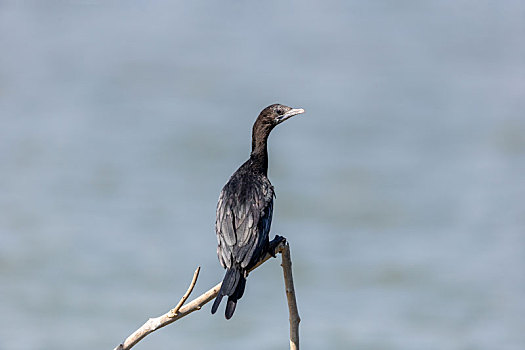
x=274, y=244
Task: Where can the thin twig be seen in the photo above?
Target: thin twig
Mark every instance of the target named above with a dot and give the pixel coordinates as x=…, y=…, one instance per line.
x=196, y=304
x=173, y=312
x=290, y=297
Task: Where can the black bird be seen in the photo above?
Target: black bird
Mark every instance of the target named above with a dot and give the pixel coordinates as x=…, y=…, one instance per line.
x=244, y=211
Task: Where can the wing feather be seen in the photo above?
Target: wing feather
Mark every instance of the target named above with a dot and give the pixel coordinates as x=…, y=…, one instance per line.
x=244, y=215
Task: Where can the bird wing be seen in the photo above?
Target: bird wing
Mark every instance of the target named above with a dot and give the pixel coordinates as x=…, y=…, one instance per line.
x=244, y=214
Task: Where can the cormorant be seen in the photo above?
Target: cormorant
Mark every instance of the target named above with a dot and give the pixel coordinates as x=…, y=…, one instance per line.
x=244, y=211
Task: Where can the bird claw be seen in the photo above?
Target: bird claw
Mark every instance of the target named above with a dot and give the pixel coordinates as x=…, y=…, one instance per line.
x=274, y=244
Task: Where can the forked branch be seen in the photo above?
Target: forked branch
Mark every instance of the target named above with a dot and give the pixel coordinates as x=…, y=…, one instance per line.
x=181, y=310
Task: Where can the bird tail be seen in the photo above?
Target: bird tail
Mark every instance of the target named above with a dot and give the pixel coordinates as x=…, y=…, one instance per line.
x=232, y=286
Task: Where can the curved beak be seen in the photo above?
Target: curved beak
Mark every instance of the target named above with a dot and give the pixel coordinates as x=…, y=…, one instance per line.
x=289, y=114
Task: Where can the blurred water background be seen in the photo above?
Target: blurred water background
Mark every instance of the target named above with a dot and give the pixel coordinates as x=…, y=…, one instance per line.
x=401, y=189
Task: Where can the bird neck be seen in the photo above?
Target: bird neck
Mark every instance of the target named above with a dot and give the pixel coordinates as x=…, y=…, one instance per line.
x=259, y=155
x=259, y=160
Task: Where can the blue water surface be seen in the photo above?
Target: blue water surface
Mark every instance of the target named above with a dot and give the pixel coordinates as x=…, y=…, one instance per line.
x=401, y=189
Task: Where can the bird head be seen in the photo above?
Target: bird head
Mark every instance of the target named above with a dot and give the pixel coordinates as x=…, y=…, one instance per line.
x=277, y=113
x=270, y=117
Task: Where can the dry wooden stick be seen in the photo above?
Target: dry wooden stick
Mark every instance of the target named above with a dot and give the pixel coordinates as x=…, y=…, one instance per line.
x=290, y=297
x=196, y=304
x=171, y=316
x=173, y=312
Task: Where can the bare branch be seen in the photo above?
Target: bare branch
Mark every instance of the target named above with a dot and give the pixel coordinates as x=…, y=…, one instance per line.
x=173, y=312
x=290, y=297
x=180, y=311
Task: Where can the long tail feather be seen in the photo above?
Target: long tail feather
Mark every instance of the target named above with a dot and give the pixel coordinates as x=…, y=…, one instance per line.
x=232, y=300
x=233, y=286
x=228, y=287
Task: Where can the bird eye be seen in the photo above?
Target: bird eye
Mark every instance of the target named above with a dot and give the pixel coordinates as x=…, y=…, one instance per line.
x=280, y=111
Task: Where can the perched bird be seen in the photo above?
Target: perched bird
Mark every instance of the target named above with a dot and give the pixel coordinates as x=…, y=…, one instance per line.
x=244, y=211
